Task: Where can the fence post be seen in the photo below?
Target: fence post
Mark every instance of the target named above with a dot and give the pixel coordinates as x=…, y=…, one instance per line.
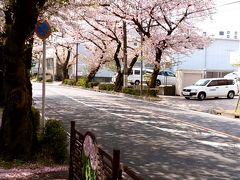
x=72, y=139
x=116, y=164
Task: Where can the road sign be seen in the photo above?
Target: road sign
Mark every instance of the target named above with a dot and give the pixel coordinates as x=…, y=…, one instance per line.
x=43, y=29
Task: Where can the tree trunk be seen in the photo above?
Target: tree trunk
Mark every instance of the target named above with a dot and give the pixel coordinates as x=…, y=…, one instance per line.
x=65, y=65
x=119, y=82
x=1, y=76
x=134, y=60
x=119, y=79
x=92, y=74
x=17, y=129
x=153, y=79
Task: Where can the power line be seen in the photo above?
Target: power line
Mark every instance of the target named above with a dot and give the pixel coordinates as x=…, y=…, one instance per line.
x=226, y=4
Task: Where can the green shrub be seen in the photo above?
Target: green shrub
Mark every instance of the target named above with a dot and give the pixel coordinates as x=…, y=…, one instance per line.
x=130, y=90
x=137, y=92
x=54, y=142
x=152, y=92
x=49, y=80
x=82, y=81
x=70, y=82
x=92, y=84
x=106, y=87
x=39, y=78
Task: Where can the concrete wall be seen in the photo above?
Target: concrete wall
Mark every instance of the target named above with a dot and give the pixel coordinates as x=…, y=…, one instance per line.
x=187, y=77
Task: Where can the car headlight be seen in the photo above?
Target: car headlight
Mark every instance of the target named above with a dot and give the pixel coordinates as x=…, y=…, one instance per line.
x=193, y=90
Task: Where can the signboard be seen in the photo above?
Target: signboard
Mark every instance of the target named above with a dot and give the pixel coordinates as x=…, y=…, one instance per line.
x=43, y=29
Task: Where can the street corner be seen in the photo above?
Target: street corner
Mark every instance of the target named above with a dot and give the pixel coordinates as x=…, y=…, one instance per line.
x=231, y=113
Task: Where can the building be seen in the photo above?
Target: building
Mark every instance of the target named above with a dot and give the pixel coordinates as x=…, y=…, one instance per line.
x=209, y=62
x=214, y=59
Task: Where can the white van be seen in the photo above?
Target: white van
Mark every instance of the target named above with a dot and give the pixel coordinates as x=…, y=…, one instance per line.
x=165, y=77
x=212, y=87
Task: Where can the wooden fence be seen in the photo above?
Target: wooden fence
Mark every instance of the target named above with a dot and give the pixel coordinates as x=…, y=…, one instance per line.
x=89, y=161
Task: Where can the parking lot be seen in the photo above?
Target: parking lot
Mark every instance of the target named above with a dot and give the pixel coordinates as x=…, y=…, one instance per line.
x=208, y=105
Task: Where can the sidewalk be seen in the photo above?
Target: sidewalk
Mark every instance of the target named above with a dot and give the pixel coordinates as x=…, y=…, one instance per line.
x=220, y=106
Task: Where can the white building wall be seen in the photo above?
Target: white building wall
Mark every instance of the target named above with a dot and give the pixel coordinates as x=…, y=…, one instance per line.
x=214, y=57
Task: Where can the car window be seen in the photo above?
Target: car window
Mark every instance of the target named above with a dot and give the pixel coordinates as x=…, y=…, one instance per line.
x=230, y=82
x=161, y=73
x=214, y=83
x=222, y=82
x=137, y=72
x=201, y=82
x=166, y=73
x=171, y=74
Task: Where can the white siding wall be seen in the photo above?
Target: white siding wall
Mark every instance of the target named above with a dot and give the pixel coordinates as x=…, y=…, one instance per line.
x=214, y=57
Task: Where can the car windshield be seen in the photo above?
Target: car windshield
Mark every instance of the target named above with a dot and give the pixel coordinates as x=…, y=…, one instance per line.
x=201, y=82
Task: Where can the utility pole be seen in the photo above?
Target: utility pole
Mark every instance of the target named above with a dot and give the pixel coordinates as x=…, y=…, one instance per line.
x=125, y=70
x=141, y=70
x=77, y=62
x=125, y=73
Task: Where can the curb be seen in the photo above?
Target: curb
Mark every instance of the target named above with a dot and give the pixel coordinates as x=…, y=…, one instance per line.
x=231, y=113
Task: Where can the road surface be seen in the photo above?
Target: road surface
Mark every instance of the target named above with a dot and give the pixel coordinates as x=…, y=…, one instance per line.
x=157, y=140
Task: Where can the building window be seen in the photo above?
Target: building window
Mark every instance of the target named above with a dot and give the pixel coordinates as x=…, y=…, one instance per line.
x=228, y=36
x=235, y=35
x=221, y=33
x=228, y=32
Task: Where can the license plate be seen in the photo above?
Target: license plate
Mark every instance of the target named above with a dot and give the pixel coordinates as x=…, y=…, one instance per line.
x=186, y=93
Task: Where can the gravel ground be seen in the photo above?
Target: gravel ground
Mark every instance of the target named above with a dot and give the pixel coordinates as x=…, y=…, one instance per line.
x=33, y=172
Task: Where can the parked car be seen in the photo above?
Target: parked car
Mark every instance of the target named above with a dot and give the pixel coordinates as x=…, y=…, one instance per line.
x=233, y=75
x=212, y=87
x=165, y=77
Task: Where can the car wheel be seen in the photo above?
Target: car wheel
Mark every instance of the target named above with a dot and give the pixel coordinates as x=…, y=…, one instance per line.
x=230, y=95
x=137, y=82
x=158, y=82
x=187, y=97
x=201, y=96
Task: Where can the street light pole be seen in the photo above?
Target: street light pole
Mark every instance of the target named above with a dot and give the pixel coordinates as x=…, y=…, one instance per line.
x=125, y=73
x=76, y=62
x=141, y=71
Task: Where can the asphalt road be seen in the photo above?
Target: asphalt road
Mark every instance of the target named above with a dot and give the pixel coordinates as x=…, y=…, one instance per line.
x=159, y=140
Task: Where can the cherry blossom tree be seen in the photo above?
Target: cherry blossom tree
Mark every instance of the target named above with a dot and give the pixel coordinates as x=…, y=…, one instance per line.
x=18, y=132
x=18, y=20
x=168, y=27
x=104, y=27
